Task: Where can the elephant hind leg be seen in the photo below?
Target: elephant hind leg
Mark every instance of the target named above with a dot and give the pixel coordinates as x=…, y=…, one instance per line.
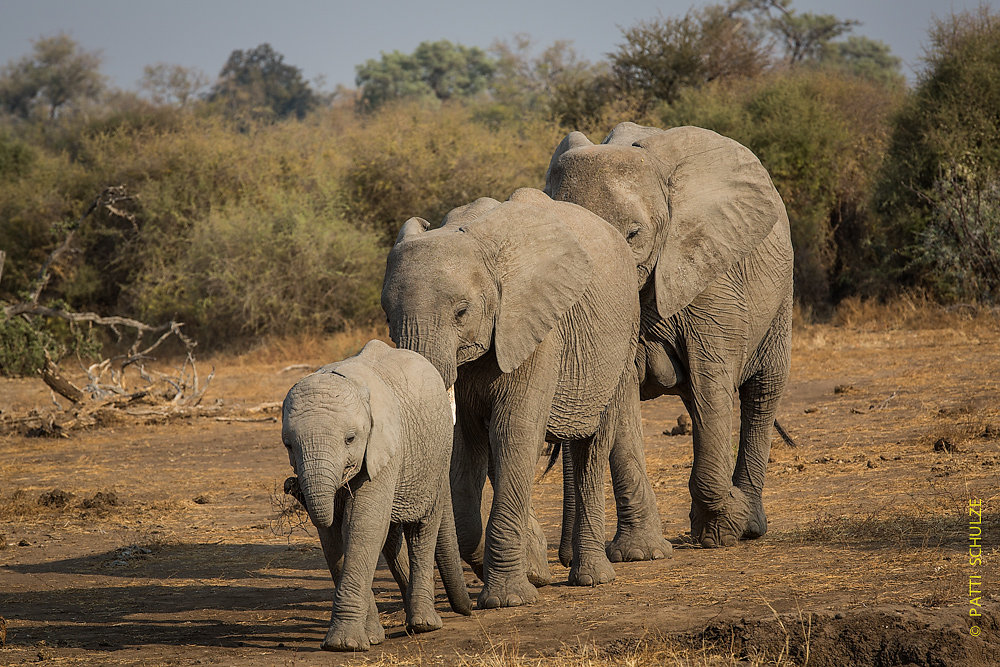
x=759, y=397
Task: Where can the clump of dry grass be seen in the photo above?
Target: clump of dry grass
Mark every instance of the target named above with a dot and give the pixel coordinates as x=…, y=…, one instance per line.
x=910, y=311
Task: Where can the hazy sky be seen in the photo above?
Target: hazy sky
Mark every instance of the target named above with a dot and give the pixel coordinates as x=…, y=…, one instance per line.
x=328, y=38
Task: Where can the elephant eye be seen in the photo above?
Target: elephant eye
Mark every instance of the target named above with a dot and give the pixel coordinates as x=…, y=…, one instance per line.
x=632, y=233
x=349, y=438
x=461, y=311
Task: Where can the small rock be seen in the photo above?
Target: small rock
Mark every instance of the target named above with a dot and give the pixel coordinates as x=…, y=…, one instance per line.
x=883, y=457
x=683, y=426
x=24, y=543
x=202, y=499
x=945, y=445
x=55, y=498
x=843, y=388
x=809, y=411
x=872, y=464
x=855, y=411
x=838, y=615
x=101, y=500
x=801, y=466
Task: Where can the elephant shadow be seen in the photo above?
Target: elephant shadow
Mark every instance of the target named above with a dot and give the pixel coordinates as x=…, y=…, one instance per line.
x=220, y=595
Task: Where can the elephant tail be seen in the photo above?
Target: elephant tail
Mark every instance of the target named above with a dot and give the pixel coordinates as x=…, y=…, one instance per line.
x=553, y=456
x=784, y=435
x=448, y=561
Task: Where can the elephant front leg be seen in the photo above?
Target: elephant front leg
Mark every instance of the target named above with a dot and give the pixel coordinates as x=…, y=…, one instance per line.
x=590, y=562
x=720, y=512
x=421, y=539
x=505, y=578
x=366, y=525
x=332, y=540
x=639, y=535
x=469, y=462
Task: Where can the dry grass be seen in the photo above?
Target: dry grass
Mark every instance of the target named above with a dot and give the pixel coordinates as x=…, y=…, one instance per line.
x=913, y=311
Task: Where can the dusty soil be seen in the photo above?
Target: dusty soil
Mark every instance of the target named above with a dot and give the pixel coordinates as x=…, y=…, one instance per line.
x=189, y=556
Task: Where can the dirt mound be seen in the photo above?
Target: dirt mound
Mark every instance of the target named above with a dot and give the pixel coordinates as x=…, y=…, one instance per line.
x=883, y=637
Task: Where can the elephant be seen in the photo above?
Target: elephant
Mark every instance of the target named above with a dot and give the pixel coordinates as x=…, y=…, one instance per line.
x=528, y=309
x=370, y=440
x=713, y=258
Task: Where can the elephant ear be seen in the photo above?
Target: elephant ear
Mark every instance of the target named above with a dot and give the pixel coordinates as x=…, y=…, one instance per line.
x=542, y=271
x=569, y=142
x=384, y=439
x=721, y=204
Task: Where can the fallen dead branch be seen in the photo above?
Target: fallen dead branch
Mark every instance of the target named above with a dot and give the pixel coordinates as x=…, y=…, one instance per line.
x=120, y=381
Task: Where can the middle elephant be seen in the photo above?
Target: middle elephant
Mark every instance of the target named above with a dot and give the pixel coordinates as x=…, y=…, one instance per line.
x=530, y=309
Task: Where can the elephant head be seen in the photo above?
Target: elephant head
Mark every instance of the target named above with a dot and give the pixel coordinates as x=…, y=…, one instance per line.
x=690, y=202
x=493, y=276
x=336, y=425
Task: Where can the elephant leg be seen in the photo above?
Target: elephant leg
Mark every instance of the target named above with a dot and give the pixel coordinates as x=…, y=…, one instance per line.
x=469, y=462
x=396, y=557
x=590, y=565
x=536, y=556
x=640, y=534
x=759, y=397
x=720, y=511
x=366, y=526
x=569, y=507
x=536, y=548
x=421, y=540
x=332, y=541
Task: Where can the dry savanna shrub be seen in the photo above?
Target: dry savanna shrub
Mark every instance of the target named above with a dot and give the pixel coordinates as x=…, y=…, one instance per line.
x=425, y=159
x=821, y=136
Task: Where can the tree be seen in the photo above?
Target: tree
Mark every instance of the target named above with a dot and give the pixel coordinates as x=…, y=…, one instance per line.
x=938, y=191
x=172, y=84
x=556, y=83
x=435, y=69
x=57, y=74
x=258, y=84
x=864, y=57
x=661, y=56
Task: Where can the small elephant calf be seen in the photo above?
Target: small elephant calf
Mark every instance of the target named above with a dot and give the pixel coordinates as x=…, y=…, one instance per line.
x=370, y=440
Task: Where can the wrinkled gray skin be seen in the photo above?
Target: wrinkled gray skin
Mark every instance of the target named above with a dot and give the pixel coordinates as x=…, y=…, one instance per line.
x=711, y=243
x=530, y=309
x=370, y=441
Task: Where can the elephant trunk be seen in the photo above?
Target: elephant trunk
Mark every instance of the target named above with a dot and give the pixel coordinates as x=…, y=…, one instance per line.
x=431, y=342
x=319, y=481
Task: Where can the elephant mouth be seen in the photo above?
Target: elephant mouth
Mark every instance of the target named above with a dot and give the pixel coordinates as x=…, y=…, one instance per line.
x=642, y=275
x=469, y=352
x=349, y=472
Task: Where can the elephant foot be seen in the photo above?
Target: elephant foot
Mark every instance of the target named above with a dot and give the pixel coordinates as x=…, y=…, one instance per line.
x=536, y=559
x=757, y=523
x=424, y=620
x=344, y=636
x=376, y=633
x=638, y=545
x=513, y=591
x=591, y=571
x=722, y=527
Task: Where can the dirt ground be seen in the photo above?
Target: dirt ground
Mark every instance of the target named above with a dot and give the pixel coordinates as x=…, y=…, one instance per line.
x=187, y=556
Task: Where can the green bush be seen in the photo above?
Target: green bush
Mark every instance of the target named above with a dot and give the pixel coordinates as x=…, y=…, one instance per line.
x=944, y=150
x=820, y=134
x=424, y=160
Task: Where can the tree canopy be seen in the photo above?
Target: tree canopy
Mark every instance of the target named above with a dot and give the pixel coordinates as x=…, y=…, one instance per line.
x=259, y=84
x=435, y=69
x=57, y=74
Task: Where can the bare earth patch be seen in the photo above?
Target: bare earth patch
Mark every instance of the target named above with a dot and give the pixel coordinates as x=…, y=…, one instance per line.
x=171, y=543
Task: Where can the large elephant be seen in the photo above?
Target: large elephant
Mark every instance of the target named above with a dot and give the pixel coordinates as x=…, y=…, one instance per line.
x=711, y=243
x=528, y=307
x=370, y=438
